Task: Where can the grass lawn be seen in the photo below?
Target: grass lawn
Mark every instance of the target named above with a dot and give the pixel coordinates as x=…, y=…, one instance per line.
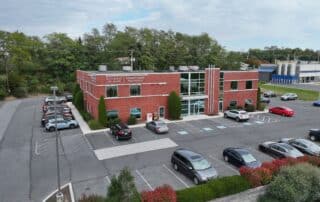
x=306, y=95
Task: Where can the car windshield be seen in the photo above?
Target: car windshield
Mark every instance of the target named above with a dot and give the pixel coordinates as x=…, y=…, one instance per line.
x=161, y=124
x=312, y=146
x=248, y=158
x=200, y=164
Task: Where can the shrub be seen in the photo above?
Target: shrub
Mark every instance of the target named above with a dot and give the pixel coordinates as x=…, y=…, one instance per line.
x=112, y=121
x=258, y=99
x=102, y=116
x=161, y=194
x=95, y=125
x=19, y=92
x=86, y=116
x=296, y=183
x=91, y=198
x=2, y=93
x=122, y=188
x=214, y=189
x=262, y=106
x=250, y=108
x=174, y=106
x=132, y=120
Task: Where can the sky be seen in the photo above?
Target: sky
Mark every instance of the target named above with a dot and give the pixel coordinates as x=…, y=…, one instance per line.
x=236, y=24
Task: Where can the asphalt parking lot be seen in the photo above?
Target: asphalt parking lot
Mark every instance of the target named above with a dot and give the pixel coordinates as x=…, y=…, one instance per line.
x=36, y=162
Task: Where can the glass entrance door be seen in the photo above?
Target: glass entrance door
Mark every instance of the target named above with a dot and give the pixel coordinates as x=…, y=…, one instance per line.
x=161, y=112
x=220, y=105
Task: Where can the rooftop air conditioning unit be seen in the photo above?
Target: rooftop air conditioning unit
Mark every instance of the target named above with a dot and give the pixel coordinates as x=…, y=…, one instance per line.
x=127, y=68
x=171, y=68
x=183, y=68
x=102, y=68
x=194, y=68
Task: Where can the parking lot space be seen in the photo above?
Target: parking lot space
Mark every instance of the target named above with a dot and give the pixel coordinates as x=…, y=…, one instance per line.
x=222, y=123
x=99, y=140
x=223, y=168
x=265, y=118
x=97, y=186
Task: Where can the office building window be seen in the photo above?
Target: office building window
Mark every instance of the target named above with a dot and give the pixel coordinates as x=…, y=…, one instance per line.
x=248, y=84
x=134, y=90
x=234, y=85
x=112, y=91
x=233, y=104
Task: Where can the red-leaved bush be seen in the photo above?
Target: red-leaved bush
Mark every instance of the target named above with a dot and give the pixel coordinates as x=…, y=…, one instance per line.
x=264, y=174
x=161, y=194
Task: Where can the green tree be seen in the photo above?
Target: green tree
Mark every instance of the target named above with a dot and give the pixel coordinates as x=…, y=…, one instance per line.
x=102, y=116
x=122, y=188
x=79, y=102
x=174, y=106
x=75, y=91
x=258, y=98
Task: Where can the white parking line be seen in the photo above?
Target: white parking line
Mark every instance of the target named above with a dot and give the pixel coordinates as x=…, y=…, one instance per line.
x=134, y=139
x=108, y=179
x=224, y=164
x=144, y=179
x=185, y=184
x=110, y=138
x=36, y=149
x=88, y=143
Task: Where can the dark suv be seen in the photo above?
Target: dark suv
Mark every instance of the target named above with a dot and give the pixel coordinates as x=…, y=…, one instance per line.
x=121, y=131
x=193, y=165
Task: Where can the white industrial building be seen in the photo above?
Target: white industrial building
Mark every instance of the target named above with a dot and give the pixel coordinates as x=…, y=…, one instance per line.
x=303, y=71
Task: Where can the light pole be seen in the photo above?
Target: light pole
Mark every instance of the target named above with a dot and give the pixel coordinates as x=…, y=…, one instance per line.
x=59, y=195
x=6, y=55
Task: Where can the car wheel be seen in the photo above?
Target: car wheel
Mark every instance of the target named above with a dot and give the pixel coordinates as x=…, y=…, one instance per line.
x=313, y=138
x=175, y=166
x=72, y=126
x=226, y=158
x=237, y=119
x=51, y=129
x=225, y=116
x=195, y=180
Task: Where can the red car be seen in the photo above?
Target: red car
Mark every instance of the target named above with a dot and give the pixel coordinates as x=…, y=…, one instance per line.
x=283, y=111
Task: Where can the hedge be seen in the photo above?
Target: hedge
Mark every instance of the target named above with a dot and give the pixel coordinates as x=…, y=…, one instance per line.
x=94, y=125
x=216, y=188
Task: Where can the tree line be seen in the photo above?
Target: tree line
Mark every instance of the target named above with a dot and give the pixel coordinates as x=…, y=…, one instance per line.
x=32, y=64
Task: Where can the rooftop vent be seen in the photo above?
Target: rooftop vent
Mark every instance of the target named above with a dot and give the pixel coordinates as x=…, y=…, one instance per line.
x=127, y=68
x=183, y=68
x=194, y=68
x=102, y=68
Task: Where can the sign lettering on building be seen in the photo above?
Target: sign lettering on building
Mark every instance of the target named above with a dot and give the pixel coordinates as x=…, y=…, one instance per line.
x=135, y=79
x=114, y=79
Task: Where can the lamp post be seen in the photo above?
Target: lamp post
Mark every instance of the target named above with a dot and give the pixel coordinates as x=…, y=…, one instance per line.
x=6, y=55
x=59, y=195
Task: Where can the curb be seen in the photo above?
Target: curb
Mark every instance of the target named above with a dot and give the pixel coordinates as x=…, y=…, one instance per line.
x=86, y=129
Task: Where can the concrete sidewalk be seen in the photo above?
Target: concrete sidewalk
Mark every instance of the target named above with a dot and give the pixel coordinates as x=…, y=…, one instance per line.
x=86, y=129
x=7, y=110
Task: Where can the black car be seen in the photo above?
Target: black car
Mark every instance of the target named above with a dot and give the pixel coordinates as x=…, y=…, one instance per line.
x=279, y=150
x=240, y=157
x=121, y=131
x=193, y=165
x=303, y=145
x=68, y=96
x=314, y=134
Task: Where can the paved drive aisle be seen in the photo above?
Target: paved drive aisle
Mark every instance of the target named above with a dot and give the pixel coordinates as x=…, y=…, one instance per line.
x=15, y=151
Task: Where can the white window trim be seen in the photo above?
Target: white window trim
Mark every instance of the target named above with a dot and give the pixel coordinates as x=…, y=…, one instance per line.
x=130, y=90
x=106, y=91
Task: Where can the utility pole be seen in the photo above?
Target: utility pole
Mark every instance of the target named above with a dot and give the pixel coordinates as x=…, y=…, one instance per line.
x=59, y=195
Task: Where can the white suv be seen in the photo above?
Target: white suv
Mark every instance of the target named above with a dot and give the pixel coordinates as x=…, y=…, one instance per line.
x=238, y=115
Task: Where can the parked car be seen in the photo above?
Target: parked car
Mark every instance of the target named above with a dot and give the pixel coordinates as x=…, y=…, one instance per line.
x=121, y=131
x=45, y=119
x=303, y=145
x=316, y=103
x=289, y=96
x=193, y=165
x=279, y=150
x=157, y=126
x=59, y=100
x=314, y=134
x=61, y=124
x=269, y=94
x=264, y=99
x=238, y=115
x=283, y=111
x=240, y=157
x=68, y=96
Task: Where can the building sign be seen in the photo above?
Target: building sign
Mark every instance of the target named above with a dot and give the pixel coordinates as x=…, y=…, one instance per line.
x=135, y=79
x=114, y=79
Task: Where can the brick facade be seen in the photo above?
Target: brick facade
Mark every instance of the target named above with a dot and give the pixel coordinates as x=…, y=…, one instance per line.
x=155, y=88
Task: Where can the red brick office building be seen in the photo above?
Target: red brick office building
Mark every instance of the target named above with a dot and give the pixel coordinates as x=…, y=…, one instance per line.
x=140, y=93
